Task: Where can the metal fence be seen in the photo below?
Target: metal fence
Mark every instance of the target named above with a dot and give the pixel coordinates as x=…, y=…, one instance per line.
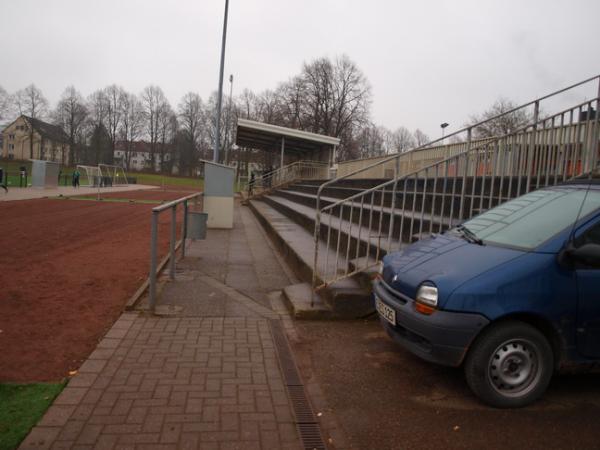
x=172, y=206
x=361, y=229
x=299, y=170
x=382, y=167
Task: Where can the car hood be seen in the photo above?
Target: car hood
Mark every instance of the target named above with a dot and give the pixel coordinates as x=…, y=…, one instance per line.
x=446, y=260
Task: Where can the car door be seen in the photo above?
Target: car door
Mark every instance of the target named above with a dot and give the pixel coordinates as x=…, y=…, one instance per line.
x=588, y=285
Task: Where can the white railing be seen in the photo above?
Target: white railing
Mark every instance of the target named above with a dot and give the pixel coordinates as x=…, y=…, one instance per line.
x=299, y=170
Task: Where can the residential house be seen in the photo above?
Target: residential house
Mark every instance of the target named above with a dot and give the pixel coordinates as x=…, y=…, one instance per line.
x=139, y=156
x=29, y=138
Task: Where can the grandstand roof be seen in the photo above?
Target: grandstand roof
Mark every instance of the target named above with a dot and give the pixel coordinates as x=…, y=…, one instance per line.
x=267, y=137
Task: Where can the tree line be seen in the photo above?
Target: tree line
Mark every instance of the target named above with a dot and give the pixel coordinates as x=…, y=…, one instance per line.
x=329, y=96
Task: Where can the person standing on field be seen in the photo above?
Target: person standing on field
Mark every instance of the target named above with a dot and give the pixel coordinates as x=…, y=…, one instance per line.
x=2, y=183
x=76, y=176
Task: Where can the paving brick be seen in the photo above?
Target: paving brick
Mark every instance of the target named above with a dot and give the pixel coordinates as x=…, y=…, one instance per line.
x=109, y=343
x=83, y=380
x=189, y=441
x=40, y=438
x=139, y=438
x=89, y=434
x=170, y=433
x=182, y=382
x=70, y=396
x=105, y=442
x=92, y=366
x=57, y=416
x=70, y=431
x=123, y=429
x=62, y=445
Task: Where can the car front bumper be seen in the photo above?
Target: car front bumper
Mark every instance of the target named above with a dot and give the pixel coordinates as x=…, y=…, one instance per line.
x=442, y=337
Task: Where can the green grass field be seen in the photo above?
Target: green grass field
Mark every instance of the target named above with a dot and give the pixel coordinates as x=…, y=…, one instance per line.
x=21, y=407
x=155, y=179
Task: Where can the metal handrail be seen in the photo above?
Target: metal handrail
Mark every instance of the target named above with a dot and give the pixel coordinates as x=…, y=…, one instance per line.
x=172, y=205
x=542, y=152
x=285, y=174
x=456, y=133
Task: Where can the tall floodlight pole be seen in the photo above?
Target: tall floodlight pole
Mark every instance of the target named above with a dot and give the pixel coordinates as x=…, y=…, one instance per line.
x=227, y=121
x=220, y=95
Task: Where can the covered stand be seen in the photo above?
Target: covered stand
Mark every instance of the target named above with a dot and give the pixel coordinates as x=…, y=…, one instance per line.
x=291, y=145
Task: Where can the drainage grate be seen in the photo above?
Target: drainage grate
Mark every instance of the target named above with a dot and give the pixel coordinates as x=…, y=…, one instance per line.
x=291, y=376
x=308, y=428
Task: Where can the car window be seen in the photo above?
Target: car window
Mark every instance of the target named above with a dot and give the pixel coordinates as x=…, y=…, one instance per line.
x=532, y=219
x=591, y=236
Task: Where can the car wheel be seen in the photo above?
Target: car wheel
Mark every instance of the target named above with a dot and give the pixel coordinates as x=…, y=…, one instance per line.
x=509, y=365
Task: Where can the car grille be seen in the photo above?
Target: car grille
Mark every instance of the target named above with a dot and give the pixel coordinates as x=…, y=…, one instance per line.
x=401, y=298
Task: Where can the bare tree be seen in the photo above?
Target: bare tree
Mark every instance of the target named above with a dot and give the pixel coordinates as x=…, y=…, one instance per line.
x=191, y=117
x=371, y=141
x=114, y=96
x=31, y=102
x=247, y=104
x=132, y=124
x=5, y=104
x=211, y=114
x=291, y=97
x=402, y=140
x=97, y=106
x=70, y=114
x=153, y=101
x=166, y=129
x=500, y=126
x=337, y=98
x=420, y=138
x=99, y=139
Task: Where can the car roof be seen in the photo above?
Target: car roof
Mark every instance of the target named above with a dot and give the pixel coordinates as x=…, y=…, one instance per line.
x=592, y=183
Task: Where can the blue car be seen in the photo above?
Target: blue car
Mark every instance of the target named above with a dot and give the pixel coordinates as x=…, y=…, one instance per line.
x=512, y=295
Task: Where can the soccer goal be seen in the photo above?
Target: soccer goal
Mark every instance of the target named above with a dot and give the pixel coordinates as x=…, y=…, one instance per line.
x=113, y=175
x=90, y=176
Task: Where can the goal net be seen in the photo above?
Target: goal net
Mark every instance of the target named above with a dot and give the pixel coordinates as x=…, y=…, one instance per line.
x=113, y=175
x=89, y=175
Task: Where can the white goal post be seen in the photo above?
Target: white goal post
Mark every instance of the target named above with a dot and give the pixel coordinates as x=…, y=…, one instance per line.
x=102, y=175
x=89, y=175
x=113, y=175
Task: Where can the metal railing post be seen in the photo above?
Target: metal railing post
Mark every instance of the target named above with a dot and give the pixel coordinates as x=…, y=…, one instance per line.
x=172, y=241
x=184, y=230
x=532, y=139
x=153, y=239
x=463, y=188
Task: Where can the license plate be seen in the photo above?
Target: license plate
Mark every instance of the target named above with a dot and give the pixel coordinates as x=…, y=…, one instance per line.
x=385, y=311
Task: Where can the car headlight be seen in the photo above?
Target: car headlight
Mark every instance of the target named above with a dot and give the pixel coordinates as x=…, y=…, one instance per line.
x=427, y=298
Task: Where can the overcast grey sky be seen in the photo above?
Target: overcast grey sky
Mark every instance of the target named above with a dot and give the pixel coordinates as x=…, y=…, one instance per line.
x=428, y=61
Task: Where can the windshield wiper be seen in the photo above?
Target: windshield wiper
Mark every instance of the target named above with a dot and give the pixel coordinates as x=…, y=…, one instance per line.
x=469, y=235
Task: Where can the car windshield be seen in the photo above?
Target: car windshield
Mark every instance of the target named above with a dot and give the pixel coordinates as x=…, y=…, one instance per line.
x=530, y=220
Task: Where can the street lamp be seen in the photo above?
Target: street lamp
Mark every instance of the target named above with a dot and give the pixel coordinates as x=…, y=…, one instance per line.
x=220, y=95
x=227, y=145
x=443, y=125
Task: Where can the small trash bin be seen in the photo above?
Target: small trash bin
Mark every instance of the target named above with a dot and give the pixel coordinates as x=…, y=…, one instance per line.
x=196, y=228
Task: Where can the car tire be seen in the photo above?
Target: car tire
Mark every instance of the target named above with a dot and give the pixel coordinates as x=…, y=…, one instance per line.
x=510, y=365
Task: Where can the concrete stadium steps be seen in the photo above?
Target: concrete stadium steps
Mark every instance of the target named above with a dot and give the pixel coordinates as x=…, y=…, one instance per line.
x=288, y=214
x=475, y=187
x=362, y=240
x=352, y=212
x=347, y=298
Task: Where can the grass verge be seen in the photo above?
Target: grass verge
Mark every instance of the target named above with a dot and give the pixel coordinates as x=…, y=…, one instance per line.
x=21, y=407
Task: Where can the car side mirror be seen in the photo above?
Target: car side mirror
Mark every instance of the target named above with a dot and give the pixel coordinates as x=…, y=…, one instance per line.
x=588, y=254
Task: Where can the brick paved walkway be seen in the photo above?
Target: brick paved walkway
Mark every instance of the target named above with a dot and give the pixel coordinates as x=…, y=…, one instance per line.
x=205, y=375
